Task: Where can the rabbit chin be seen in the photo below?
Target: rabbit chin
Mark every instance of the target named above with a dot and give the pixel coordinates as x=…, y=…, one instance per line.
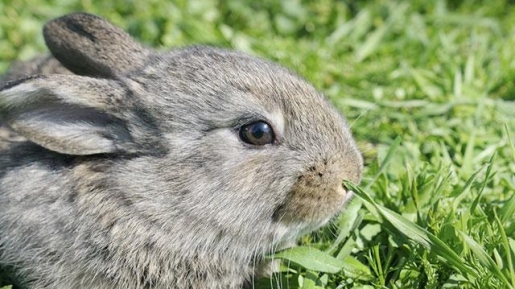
x=288, y=230
x=287, y=235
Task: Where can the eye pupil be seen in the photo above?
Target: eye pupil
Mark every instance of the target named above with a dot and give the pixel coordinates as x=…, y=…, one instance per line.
x=258, y=130
x=257, y=133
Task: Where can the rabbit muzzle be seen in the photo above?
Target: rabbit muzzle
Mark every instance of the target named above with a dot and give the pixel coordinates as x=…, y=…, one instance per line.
x=317, y=195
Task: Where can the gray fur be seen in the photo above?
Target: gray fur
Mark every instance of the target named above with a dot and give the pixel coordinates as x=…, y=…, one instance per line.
x=132, y=174
x=44, y=64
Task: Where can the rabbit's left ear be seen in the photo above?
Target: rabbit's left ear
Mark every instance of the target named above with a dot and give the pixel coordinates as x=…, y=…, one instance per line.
x=76, y=115
x=89, y=45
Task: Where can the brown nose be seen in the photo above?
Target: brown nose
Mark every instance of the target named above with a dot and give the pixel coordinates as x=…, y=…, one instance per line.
x=318, y=193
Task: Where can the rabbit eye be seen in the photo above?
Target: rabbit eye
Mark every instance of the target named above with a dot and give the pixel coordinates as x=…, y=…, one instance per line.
x=257, y=133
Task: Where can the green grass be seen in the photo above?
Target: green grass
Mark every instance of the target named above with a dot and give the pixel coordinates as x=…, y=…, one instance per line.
x=429, y=90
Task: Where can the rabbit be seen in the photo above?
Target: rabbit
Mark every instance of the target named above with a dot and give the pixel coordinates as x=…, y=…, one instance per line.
x=125, y=167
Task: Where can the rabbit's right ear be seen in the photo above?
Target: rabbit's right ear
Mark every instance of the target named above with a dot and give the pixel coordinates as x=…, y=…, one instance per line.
x=89, y=45
x=77, y=115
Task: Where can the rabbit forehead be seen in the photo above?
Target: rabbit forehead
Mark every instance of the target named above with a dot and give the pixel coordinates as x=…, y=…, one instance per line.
x=222, y=84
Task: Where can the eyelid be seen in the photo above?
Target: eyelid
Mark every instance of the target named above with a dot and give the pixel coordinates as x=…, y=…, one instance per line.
x=250, y=118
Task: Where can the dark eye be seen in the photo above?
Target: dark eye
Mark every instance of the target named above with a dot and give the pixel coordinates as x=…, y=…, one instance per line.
x=257, y=133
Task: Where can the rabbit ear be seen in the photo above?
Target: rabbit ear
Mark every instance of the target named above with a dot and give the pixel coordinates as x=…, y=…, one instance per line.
x=75, y=115
x=89, y=45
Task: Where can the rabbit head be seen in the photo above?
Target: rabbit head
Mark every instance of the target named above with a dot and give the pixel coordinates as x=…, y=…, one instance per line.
x=175, y=169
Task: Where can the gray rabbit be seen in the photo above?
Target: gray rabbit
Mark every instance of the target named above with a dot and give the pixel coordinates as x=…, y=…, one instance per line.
x=123, y=167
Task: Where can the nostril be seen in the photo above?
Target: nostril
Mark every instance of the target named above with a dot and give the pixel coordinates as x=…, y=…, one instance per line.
x=320, y=174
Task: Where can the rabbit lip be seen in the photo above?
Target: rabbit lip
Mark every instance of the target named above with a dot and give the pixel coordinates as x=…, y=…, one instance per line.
x=349, y=195
x=308, y=203
x=341, y=190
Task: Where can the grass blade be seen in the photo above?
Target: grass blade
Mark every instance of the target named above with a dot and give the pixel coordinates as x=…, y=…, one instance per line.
x=484, y=258
x=416, y=233
x=508, y=210
x=386, y=161
x=311, y=259
x=507, y=249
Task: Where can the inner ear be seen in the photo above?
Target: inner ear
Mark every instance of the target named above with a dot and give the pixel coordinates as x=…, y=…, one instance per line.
x=71, y=129
x=75, y=115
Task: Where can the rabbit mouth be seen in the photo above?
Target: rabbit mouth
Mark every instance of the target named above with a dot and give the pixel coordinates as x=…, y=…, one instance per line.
x=311, y=206
x=317, y=195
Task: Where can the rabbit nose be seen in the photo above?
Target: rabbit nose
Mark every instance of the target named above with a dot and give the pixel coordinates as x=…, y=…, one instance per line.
x=330, y=173
x=323, y=176
x=317, y=195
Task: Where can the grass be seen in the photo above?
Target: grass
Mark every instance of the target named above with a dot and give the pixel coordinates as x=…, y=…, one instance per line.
x=428, y=88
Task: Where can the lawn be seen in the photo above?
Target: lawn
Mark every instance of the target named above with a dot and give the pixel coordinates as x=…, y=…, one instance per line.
x=429, y=90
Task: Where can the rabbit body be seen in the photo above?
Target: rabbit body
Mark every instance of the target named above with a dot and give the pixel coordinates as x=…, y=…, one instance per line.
x=128, y=169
